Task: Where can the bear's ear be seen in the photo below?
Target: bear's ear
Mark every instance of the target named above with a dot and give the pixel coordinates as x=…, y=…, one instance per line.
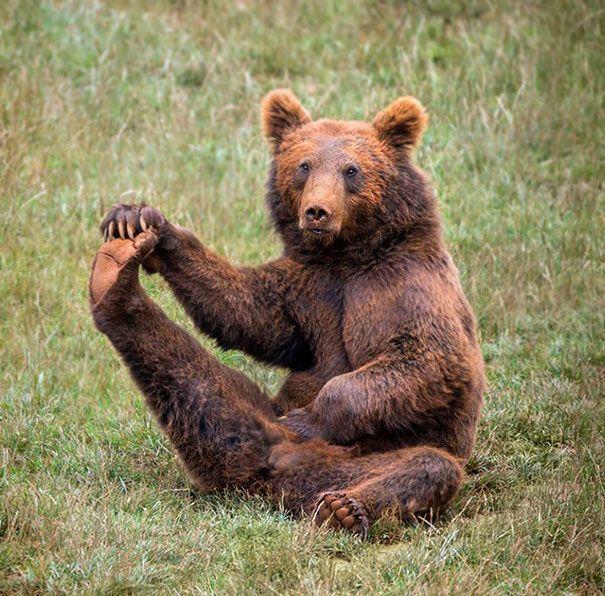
x=281, y=113
x=402, y=123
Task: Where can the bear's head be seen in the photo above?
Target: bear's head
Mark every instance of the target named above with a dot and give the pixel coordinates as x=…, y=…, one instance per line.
x=346, y=187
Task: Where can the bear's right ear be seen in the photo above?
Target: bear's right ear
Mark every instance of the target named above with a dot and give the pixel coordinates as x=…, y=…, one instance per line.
x=281, y=113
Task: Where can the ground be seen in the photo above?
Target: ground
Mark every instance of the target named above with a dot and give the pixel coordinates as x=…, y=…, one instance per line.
x=159, y=101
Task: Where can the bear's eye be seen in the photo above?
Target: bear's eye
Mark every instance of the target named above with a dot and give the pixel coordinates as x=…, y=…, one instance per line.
x=351, y=171
x=305, y=167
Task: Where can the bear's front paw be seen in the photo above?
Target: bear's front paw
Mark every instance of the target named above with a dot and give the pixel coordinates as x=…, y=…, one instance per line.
x=288, y=455
x=127, y=221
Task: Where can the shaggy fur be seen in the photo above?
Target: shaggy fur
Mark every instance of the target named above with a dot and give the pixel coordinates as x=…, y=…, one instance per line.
x=365, y=309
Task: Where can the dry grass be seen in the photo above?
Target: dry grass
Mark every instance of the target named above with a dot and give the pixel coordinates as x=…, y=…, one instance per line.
x=158, y=101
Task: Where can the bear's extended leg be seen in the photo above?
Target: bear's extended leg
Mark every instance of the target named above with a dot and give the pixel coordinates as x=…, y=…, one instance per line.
x=221, y=424
x=352, y=493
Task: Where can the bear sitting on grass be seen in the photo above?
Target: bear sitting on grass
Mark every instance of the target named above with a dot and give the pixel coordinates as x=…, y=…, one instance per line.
x=364, y=308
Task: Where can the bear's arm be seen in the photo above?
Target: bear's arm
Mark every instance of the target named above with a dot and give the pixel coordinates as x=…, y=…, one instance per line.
x=417, y=376
x=241, y=308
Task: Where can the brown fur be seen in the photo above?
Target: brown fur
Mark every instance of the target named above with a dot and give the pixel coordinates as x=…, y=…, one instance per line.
x=364, y=308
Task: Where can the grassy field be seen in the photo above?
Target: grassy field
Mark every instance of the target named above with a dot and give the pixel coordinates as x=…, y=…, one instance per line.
x=158, y=101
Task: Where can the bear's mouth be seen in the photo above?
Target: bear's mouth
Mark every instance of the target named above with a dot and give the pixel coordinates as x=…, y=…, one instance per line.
x=320, y=231
x=316, y=237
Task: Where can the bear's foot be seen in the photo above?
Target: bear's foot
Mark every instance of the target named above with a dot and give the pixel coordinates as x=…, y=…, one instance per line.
x=341, y=512
x=116, y=264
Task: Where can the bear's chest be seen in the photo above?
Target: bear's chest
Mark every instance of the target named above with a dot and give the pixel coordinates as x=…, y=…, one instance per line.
x=319, y=313
x=348, y=322
x=371, y=313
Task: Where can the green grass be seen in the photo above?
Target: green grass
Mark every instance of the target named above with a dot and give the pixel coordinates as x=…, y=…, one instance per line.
x=158, y=101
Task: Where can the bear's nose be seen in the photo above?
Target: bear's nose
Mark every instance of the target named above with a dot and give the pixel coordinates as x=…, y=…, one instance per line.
x=316, y=213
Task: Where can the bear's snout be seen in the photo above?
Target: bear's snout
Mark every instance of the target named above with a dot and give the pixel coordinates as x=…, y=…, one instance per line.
x=322, y=208
x=320, y=219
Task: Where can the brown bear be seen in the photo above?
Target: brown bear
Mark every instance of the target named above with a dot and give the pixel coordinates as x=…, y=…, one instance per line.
x=379, y=412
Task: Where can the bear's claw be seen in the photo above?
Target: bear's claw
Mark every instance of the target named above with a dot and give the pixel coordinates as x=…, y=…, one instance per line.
x=127, y=221
x=342, y=512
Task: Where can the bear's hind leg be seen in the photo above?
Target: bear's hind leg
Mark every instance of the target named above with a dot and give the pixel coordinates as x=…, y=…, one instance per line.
x=347, y=492
x=220, y=423
x=408, y=483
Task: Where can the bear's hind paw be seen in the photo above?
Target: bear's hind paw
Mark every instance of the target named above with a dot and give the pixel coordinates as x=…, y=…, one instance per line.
x=118, y=259
x=341, y=512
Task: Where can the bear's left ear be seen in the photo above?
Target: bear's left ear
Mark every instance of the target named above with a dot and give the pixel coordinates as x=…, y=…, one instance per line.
x=282, y=113
x=402, y=123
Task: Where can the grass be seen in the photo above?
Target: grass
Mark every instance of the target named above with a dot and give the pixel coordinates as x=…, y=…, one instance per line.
x=158, y=101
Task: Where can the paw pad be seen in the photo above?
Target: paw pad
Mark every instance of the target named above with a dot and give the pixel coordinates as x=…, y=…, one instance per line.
x=341, y=512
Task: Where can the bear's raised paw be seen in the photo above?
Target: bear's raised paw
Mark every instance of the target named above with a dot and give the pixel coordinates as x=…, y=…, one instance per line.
x=118, y=259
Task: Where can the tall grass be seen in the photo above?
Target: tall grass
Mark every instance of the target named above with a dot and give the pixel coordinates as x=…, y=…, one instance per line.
x=158, y=101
